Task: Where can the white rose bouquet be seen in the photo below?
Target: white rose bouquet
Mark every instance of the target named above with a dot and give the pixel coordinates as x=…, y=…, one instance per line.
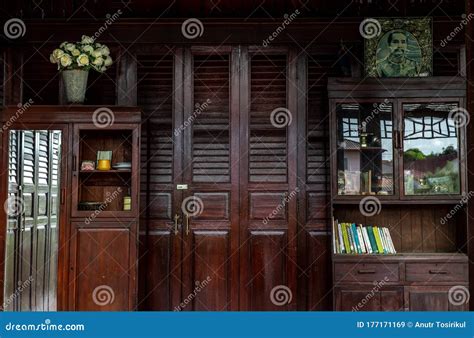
x=82, y=55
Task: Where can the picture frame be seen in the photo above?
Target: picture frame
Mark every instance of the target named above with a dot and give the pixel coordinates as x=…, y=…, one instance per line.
x=399, y=47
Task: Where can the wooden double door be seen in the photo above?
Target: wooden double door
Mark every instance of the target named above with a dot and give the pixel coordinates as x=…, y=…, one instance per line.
x=219, y=183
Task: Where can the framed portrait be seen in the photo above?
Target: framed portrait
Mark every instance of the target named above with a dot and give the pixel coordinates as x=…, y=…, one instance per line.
x=398, y=47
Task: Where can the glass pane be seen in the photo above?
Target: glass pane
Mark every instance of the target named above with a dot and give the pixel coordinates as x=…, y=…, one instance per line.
x=431, y=149
x=364, y=148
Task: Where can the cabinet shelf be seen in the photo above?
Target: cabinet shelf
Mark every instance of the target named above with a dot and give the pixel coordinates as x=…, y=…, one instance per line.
x=111, y=171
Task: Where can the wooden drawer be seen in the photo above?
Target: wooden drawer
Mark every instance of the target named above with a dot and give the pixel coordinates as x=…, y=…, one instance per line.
x=436, y=272
x=366, y=272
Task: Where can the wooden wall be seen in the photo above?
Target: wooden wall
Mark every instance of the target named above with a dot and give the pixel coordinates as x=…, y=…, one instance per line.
x=144, y=55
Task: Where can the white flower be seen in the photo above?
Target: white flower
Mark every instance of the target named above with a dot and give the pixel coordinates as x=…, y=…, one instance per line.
x=88, y=48
x=103, y=69
x=57, y=53
x=98, y=61
x=66, y=60
x=82, y=60
x=63, y=44
x=108, y=61
x=87, y=39
x=105, y=51
x=53, y=59
x=76, y=52
x=97, y=53
x=70, y=47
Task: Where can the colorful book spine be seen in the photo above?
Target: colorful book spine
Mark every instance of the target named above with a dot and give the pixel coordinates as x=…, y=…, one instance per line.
x=378, y=240
x=367, y=241
x=335, y=242
x=384, y=241
x=356, y=238
x=341, y=240
x=346, y=238
x=361, y=239
x=370, y=231
x=393, y=245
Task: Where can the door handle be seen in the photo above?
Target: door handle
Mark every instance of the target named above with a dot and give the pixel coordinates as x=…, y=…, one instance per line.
x=186, y=223
x=176, y=225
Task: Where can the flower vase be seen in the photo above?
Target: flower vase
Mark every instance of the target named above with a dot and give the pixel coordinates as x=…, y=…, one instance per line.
x=75, y=84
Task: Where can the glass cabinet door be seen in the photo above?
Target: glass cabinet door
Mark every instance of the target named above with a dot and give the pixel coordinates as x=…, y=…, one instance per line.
x=364, y=148
x=430, y=149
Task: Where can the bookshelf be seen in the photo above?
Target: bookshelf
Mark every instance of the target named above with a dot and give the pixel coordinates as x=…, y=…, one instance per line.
x=399, y=164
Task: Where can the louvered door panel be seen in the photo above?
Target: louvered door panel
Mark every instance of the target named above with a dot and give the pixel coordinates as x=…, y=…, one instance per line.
x=315, y=240
x=210, y=233
x=210, y=117
x=155, y=95
x=268, y=196
x=13, y=225
x=268, y=148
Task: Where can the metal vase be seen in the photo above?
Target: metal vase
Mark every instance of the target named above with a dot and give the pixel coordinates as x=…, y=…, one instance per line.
x=75, y=84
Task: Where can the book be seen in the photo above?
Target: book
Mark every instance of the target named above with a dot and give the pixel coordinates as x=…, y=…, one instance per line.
x=394, y=251
x=391, y=249
x=351, y=240
x=367, y=241
x=378, y=240
x=384, y=241
x=341, y=240
x=335, y=242
x=370, y=230
x=346, y=238
x=356, y=238
x=361, y=240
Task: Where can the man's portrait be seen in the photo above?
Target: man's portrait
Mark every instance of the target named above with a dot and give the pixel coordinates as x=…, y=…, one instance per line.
x=403, y=48
x=398, y=55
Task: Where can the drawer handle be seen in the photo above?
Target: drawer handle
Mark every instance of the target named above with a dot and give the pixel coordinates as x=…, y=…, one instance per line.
x=438, y=272
x=365, y=271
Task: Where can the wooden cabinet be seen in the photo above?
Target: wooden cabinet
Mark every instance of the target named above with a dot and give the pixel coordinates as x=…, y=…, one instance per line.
x=399, y=163
x=97, y=255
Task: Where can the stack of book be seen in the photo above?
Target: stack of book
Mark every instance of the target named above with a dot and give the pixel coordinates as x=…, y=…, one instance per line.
x=351, y=238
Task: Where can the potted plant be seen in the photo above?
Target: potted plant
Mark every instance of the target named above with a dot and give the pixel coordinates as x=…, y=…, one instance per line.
x=74, y=61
